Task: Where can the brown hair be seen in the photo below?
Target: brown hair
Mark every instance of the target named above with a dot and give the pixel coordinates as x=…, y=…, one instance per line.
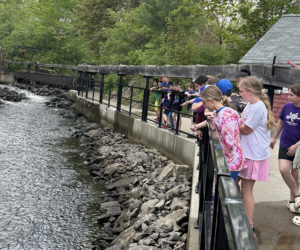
x=295, y=89
x=212, y=80
x=214, y=93
x=255, y=84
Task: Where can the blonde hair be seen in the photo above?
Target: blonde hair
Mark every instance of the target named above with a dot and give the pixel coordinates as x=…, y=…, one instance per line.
x=214, y=93
x=212, y=80
x=255, y=84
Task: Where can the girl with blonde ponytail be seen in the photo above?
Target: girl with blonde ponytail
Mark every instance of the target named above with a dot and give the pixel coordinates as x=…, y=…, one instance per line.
x=255, y=125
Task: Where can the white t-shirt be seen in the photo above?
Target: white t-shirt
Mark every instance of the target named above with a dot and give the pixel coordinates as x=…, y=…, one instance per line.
x=256, y=145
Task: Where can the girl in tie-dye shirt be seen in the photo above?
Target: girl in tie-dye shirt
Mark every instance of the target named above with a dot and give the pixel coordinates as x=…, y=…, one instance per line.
x=226, y=121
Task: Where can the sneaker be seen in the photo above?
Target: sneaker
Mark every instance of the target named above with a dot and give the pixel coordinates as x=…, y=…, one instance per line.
x=291, y=207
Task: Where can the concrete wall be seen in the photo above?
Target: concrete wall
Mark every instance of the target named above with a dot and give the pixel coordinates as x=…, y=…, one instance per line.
x=7, y=79
x=180, y=149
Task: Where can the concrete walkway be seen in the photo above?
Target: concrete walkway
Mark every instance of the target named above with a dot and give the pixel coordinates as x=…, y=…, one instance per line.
x=272, y=219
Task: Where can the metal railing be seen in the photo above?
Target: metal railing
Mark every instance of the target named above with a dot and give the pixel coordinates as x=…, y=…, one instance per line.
x=222, y=220
x=88, y=84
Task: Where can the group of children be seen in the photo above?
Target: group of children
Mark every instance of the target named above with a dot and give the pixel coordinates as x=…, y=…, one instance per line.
x=245, y=138
x=244, y=130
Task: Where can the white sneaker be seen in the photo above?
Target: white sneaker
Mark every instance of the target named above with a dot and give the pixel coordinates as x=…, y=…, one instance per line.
x=291, y=206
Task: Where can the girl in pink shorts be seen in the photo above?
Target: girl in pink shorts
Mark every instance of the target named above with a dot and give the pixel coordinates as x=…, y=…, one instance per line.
x=255, y=125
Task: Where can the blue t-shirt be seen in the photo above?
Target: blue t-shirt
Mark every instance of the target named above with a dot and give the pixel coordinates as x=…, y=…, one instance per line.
x=163, y=84
x=197, y=99
x=291, y=125
x=202, y=88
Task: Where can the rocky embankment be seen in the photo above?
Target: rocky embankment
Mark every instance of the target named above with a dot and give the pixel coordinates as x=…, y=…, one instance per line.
x=147, y=196
x=146, y=200
x=10, y=95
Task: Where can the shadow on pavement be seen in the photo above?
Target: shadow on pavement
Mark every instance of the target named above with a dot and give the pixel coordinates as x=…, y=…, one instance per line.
x=274, y=228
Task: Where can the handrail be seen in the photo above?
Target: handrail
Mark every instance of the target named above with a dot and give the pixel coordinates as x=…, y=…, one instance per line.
x=273, y=75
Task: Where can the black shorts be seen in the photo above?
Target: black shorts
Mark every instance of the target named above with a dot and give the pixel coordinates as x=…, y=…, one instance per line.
x=282, y=154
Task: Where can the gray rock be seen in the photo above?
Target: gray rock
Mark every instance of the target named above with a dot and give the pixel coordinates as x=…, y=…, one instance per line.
x=178, y=204
x=124, y=220
x=174, y=236
x=112, y=169
x=167, y=223
x=110, y=209
x=125, y=238
x=92, y=133
x=125, y=182
x=175, y=192
x=166, y=172
x=115, y=247
x=147, y=242
x=105, y=150
x=140, y=247
x=182, y=173
x=160, y=204
x=148, y=206
x=139, y=157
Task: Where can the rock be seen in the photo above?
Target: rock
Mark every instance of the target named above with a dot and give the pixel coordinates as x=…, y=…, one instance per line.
x=182, y=173
x=64, y=104
x=110, y=209
x=174, y=192
x=178, y=204
x=125, y=238
x=167, y=223
x=115, y=247
x=147, y=242
x=160, y=204
x=92, y=133
x=174, y=236
x=105, y=150
x=112, y=169
x=148, y=206
x=140, y=247
x=125, y=182
x=166, y=172
x=124, y=220
x=139, y=157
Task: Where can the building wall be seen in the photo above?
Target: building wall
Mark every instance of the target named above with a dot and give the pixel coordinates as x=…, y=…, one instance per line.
x=278, y=103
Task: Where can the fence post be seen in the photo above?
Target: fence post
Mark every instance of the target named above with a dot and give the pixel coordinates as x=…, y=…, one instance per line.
x=119, y=98
x=93, y=84
x=82, y=82
x=146, y=100
x=101, y=88
x=131, y=96
x=87, y=83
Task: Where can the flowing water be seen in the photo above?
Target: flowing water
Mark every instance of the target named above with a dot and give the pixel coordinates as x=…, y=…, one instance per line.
x=48, y=200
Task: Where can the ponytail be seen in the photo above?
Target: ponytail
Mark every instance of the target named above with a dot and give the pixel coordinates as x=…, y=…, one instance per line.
x=271, y=121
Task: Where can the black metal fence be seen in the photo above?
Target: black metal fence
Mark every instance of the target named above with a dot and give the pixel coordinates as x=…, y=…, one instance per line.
x=94, y=87
x=222, y=220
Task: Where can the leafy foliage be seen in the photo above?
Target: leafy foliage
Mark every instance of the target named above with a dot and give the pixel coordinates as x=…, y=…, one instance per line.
x=139, y=32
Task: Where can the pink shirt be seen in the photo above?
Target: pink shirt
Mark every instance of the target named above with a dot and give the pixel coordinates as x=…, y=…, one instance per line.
x=227, y=126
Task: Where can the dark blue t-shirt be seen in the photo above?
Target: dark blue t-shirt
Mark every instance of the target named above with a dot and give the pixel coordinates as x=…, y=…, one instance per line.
x=291, y=125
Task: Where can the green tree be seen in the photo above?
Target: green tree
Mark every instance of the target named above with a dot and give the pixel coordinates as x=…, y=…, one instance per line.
x=259, y=17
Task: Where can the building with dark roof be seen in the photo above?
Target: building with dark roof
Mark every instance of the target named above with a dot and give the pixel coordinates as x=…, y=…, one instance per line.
x=282, y=40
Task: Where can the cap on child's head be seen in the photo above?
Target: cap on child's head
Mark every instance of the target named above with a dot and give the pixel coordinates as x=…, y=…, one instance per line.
x=225, y=86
